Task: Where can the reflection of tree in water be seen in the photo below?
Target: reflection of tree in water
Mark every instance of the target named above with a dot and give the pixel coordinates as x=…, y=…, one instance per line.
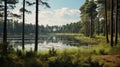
x=65, y=40
x=70, y=40
x=51, y=40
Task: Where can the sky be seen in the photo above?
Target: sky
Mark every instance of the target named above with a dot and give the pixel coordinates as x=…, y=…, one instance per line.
x=61, y=12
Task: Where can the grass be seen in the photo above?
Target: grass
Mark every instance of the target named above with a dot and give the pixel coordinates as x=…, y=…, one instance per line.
x=98, y=55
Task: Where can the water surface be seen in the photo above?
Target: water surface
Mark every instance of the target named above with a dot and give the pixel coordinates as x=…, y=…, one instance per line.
x=47, y=42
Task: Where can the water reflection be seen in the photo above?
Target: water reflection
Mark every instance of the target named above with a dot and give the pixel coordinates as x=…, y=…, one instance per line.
x=47, y=42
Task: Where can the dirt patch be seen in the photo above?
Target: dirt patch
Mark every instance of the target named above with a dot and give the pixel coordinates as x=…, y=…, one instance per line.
x=108, y=60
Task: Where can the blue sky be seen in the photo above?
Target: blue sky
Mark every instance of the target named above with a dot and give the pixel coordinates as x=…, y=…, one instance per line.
x=61, y=12
x=72, y=4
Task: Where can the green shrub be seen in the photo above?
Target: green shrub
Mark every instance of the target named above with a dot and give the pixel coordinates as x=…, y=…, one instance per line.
x=30, y=54
x=52, y=52
x=102, y=52
x=6, y=48
x=19, y=53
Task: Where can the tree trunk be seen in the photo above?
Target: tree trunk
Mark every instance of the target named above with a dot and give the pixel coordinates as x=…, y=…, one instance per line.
x=106, y=28
x=5, y=29
x=98, y=27
x=103, y=27
x=111, y=23
x=119, y=24
x=36, y=29
x=5, y=23
x=23, y=29
x=91, y=27
x=116, y=24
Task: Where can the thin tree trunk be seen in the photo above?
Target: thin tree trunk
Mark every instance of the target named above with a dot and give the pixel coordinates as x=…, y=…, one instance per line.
x=98, y=27
x=23, y=29
x=36, y=29
x=91, y=27
x=119, y=24
x=5, y=29
x=111, y=23
x=5, y=23
x=106, y=28
x=103, y=27
x=116, y=24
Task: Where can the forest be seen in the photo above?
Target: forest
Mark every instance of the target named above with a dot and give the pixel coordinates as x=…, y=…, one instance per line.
x=98, y=32
x=16, y=28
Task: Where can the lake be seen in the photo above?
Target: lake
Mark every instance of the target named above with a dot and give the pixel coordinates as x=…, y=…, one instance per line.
x=47, y=42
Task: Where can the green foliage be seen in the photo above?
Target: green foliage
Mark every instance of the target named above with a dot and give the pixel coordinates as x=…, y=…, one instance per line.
x=52, y=51
x=8, y=57
x=19, y=53
x=102, y=52
x=59, y=62
x=115, y=50
x=30, y=54
x=88, y=14
x=6, y=49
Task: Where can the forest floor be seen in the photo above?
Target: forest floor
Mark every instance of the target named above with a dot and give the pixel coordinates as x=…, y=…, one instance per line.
x=108, y=60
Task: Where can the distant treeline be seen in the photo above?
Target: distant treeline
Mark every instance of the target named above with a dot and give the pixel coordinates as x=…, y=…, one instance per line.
x=16, y=28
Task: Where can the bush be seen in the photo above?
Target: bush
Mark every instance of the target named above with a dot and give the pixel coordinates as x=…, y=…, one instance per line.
x=102, y=52
x=52, y=51
x=6, y=49
x=19, y=53
x=61, y=62
x=30, y=54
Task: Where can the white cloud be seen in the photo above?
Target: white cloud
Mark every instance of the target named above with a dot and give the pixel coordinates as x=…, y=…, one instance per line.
x=55, y=17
